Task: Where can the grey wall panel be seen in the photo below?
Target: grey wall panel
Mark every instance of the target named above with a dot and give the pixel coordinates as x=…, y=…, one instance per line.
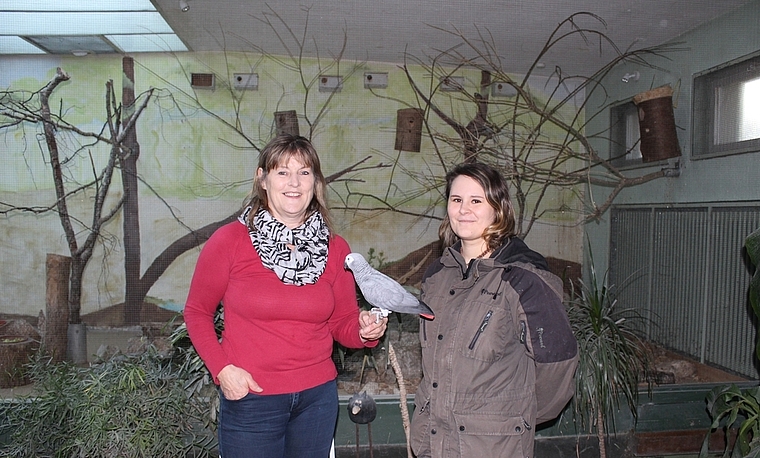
x=685, y=270
x=630, y=256
x=731, y=325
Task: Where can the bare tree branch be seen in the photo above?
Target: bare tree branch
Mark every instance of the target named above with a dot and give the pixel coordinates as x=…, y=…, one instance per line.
x=519, y=134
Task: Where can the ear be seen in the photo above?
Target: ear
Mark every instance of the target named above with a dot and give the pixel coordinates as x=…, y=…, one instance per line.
x=260, y=178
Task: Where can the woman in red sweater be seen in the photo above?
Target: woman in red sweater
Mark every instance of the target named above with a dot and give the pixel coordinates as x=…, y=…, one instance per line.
x=279, y=273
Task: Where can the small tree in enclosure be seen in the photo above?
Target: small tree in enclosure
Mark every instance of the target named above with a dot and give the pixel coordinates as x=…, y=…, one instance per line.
x=20, y=110
x=537, y=136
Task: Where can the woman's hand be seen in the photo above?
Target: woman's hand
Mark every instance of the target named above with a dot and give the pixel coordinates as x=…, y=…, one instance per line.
x=236, y=383
x=370, y=328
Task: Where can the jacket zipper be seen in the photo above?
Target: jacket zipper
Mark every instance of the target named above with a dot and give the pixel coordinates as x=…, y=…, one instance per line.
x=424, y=406
x=482, y=328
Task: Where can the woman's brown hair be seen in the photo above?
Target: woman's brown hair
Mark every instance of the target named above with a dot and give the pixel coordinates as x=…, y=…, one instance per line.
x=497, y=195
x=278, y=152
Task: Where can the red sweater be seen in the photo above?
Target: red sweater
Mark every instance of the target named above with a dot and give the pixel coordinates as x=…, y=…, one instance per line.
x=282, y=334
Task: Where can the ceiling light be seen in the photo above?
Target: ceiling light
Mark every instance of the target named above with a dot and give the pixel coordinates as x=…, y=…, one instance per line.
x=184, y=6
x=80, y=52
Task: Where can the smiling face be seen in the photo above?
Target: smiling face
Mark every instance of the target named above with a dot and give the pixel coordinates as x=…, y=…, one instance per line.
x=290, y=189
x=468, y=210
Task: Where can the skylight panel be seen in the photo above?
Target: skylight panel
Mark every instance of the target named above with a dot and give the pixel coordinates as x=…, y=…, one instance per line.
x=47, y=23
x=148, y=43
x=76, y=5
x=17, y=45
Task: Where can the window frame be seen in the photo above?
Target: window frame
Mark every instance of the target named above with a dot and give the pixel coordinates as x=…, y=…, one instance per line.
x=704, y=85
x=619, y=154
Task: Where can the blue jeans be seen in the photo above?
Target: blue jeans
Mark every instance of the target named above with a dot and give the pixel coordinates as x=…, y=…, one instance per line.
x=295, y=425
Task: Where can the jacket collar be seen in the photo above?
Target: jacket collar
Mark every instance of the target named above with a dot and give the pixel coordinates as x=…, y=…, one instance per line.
x=514, y=250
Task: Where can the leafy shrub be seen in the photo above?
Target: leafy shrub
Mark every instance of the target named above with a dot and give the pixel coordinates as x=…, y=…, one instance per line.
x=125, y=406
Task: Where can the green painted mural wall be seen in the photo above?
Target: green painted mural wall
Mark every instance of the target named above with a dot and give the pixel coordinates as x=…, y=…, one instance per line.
x=198, y=154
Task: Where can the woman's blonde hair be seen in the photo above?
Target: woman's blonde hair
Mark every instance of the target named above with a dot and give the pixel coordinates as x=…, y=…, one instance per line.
x=497, y=195
x=277, y=153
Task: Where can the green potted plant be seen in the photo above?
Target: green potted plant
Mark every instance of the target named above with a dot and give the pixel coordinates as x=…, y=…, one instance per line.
x=612, y=357
x=729, y=404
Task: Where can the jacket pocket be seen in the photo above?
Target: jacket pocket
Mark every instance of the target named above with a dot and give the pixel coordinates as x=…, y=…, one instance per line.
x=425, y=329
x=484, y=336
x=419, y=431
x=493, y=435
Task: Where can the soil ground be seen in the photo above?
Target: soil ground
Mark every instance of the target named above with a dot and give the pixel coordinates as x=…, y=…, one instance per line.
x=674, y=368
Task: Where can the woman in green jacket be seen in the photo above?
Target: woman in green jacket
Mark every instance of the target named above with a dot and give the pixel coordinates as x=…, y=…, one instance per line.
x=500, y=355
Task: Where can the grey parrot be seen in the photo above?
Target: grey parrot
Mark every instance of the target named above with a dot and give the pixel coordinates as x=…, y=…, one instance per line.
x=385, y=294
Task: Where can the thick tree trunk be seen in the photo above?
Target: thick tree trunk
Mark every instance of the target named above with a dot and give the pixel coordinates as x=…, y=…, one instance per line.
x=54, y=338
x=478, y=127
x=76, y=336
x=129, y=156
x=75, y=290
x=14, y=354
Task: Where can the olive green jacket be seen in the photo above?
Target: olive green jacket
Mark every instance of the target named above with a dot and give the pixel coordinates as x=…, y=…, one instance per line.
x=498, y=323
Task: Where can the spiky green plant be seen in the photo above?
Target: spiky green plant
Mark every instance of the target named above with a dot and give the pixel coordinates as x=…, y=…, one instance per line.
x=612, y=356
x=727, y=405
x=199, y=381
x=125, y=406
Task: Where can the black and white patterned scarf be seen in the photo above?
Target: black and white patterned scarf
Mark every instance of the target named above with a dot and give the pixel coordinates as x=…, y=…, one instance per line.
x=302, y=264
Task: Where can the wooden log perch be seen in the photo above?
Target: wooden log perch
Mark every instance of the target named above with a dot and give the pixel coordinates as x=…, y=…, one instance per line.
x=55, y=333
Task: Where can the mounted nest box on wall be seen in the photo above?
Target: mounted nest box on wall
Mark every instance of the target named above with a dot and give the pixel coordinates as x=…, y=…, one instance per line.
x=245, y=81
x=375, y=80
x=202, y=80
x=502, y=89
x=657, y=125
x=286, y=122
x=409, y=129
x=330, y=83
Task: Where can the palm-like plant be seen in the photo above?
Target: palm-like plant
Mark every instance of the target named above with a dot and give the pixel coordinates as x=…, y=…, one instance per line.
x=612, y=356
